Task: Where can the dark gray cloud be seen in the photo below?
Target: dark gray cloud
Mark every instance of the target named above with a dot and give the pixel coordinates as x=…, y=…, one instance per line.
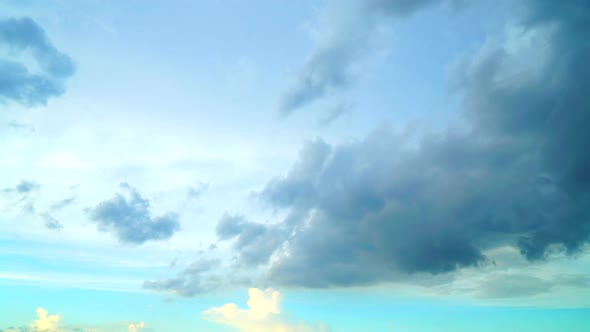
x=190, y=282
x=345, y=41
x=374, y=210
x=18, y=83
x=127, y=215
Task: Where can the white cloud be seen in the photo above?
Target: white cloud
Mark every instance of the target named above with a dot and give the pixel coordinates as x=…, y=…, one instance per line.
x=136, y=327
x=54, y=323
x=47, y=322
x=263, y=315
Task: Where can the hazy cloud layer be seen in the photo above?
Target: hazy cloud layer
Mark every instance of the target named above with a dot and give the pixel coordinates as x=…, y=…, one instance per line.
x=20, y=84
x=128, y=217
x=517, y=285
x=344, y=40
x=370, y=211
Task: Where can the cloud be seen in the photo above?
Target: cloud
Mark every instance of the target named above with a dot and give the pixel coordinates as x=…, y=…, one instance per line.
x=192, y=281
x=254, y=242
x=344, y=39
x=20, y=126
x=23, y=195
x=127, y=215
x=378, y=209
x=19, y=84
x=61, y=204
x=264, y=314
x=51, y=222
x=136, y=327
x=519, y=285
x=46, y=322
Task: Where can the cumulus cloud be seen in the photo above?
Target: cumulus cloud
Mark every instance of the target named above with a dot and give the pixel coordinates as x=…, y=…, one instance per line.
x=374, y=210
x=19, y=83
x=127, y=215
x=136, y=327
x=264, y=314
x=344, y=39
x=46, y=322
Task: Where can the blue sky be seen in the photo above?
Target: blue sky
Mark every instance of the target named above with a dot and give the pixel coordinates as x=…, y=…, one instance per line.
x=358, y=165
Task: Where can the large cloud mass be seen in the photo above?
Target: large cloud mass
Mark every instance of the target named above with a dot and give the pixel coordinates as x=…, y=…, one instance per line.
x=373, y=210
x=17, y=82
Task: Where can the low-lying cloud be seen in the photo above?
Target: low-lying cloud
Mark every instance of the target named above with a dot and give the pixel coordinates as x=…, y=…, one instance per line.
x=264, y=314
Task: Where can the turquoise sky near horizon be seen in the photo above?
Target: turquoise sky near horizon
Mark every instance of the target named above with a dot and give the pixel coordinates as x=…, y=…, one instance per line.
x=204, y=153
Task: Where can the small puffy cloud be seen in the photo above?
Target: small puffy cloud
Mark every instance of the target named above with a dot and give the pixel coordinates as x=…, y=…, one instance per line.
x=264, y=314
x=47, y=322
x=127, y=215
x=23, y=36
x=136, y=327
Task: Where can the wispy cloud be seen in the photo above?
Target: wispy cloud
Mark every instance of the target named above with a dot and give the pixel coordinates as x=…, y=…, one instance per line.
x=344, y=39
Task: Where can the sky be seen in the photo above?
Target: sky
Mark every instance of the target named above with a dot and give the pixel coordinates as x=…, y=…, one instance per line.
x=294, y=166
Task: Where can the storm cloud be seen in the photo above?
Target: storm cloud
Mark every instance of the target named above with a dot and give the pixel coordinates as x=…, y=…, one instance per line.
x=127, y=216
x=373, y=210
x=18, y=83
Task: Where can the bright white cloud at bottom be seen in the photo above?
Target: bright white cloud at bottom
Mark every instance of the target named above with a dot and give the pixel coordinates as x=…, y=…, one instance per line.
x=264, y=314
